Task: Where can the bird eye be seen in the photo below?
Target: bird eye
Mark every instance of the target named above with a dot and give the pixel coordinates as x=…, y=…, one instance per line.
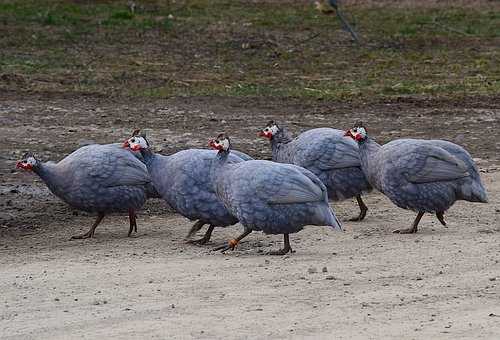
x=355, y=130
x=266, y=129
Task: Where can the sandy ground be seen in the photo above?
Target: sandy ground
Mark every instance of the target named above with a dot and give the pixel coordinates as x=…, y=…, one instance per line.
x=363, y=283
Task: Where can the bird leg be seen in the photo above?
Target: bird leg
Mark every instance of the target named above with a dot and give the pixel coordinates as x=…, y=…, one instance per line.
x=133, y=224
x=91, y=231
x=363, y=209
x=440, y=217
x=285, y=249
x=195, y=228
x=232, y=243
x=205, y=238
x=413, y=228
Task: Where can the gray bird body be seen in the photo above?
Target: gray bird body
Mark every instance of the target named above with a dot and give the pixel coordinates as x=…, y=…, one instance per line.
x=329, y=155
x=183, y=180
x=99, y=179
x=271, y=197
x=422, y=175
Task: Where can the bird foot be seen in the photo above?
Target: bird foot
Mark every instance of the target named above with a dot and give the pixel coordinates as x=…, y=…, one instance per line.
x=283, y=251
x=230, y=246
x=82, y=236
x=356, y=219
x=362, y=214
x=200, y=241
x=405, y=231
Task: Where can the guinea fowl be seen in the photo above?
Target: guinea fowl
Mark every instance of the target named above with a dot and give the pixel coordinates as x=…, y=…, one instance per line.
x=426, y=176
x=271, y=197
x=183, y=181
x=100, y=179
x=326, y=153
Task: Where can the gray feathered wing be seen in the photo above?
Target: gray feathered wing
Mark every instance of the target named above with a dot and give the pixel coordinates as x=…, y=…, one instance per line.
x=113, y=167
x=293, y=187
x=325, y=156
x=435, y=164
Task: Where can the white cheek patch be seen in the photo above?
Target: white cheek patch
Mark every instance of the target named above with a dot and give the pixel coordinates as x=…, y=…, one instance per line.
x=225, y=144
x=274, y=129
x=143, y=143
x=31, y=160
x=138, y=141
x=362, y=131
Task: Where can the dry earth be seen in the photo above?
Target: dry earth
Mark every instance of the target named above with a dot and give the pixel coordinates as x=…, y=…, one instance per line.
x=363, y=283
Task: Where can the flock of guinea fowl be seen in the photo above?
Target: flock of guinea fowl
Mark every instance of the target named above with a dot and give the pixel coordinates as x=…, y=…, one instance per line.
x=223, y=187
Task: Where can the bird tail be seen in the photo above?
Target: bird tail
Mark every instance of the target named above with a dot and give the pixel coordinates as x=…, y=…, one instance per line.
x=326, y=216
x=477, y=192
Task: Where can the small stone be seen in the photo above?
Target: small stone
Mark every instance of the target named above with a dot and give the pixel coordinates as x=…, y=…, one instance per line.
x=358, y=272
x=419, y=278
x=324, y=270
x=172, y=306
x=330, y=277
x=493, y=278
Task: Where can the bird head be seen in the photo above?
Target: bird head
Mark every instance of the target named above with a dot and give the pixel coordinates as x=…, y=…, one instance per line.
x=270, y=130
x=28, y=162
x=358, y=132
x=221, y=143
x=137, y=142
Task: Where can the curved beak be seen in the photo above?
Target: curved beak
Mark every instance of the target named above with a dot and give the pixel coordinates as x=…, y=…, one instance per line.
x=348, y=134
x=19, y=164
x=126, y=144
x=261, y=134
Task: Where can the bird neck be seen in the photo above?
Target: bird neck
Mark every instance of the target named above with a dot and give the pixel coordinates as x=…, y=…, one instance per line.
x=52, y=177
x=368, y=149
x=280, y=140
x=148, y=156
x=222, y=156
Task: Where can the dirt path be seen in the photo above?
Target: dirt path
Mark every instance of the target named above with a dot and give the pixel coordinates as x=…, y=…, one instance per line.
x=439, y=283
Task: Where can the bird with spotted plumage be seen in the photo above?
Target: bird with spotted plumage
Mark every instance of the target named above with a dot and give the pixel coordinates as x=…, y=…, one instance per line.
x=326, y=153
x=426, y=176
x=270, y=197
x=95, y=178
x=182, y=180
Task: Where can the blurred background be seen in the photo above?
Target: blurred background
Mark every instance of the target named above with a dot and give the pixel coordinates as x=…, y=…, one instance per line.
x=162, y=49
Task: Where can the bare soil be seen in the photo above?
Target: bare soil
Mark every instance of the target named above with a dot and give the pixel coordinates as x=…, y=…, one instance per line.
x=363, y=283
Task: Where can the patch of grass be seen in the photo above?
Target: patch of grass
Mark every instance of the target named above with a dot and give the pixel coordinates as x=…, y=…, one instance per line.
x=239, y=48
